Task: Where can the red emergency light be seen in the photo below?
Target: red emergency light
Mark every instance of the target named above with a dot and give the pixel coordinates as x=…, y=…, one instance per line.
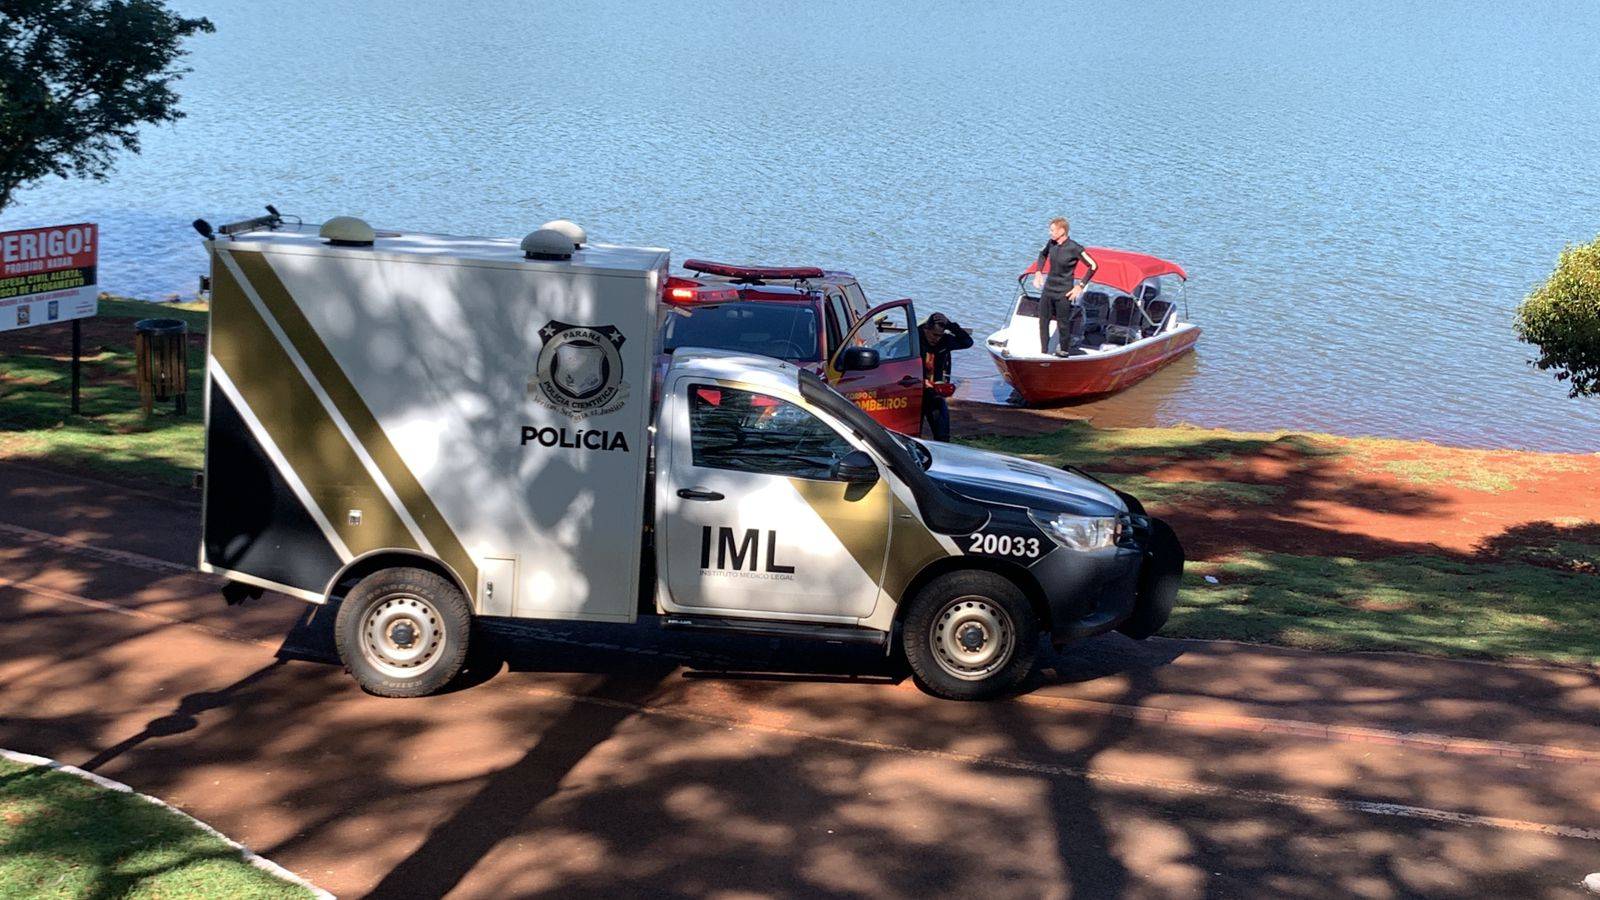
x=687, y=290
x=751, y=273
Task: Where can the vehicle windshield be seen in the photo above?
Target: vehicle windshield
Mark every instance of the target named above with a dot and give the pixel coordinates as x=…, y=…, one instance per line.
x=915, y=448
x=783, y=330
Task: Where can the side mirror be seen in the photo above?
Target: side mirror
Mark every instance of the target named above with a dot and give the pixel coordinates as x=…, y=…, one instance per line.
x=856, y=468
x=857, y=359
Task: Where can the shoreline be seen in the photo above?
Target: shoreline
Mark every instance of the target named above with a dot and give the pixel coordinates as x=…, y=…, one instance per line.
x=972, y=414
x=969, y=418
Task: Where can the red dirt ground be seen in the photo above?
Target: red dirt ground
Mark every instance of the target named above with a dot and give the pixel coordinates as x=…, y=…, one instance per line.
x=1340, y=499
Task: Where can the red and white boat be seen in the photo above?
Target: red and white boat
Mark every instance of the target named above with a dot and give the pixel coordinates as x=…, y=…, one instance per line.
x=1132, y=328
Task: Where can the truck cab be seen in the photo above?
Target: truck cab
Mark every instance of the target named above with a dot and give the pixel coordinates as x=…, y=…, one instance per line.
x=779, y=502
x=807, y=316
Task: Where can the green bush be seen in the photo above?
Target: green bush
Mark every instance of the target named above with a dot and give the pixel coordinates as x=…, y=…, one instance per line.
x=1562, y=318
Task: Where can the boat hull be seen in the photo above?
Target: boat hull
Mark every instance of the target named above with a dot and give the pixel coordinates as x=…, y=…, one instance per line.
x=1042, y=380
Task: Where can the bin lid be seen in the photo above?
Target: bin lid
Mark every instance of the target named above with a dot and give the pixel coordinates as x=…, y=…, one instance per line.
x=160, y=326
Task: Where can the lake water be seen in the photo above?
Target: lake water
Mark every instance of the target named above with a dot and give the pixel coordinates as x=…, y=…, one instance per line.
x=1361, y=192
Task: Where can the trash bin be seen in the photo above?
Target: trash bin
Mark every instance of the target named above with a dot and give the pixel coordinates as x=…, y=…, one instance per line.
x=161, y=347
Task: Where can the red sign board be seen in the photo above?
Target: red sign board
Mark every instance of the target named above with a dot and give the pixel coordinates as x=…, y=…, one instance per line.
x=48, y=275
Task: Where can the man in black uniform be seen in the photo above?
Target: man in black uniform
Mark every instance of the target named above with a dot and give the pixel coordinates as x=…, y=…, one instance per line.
x=939, y=337
x=1058, y=298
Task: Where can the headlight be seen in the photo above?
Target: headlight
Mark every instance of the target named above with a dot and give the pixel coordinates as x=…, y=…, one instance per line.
x=1079, y=532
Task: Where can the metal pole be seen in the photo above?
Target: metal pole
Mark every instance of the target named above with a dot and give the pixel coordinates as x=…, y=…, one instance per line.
x=77, y=357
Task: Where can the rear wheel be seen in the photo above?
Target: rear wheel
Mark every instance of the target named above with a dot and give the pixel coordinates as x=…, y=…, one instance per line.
x=969, y=636
x=403, y=632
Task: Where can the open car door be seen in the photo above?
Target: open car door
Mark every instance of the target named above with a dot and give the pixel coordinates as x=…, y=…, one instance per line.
x=891, y=392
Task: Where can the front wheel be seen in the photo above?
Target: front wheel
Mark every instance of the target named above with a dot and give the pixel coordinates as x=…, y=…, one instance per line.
x=969, y=636
x=403, y=632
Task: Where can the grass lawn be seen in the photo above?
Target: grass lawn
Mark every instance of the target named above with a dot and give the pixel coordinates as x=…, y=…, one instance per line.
x=1527, y=589
x=63, y=836
x=112, y=437
x=1423, y=604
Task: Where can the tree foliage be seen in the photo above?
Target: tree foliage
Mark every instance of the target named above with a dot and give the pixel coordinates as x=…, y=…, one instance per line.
x=78, y=78
x=1562, y=318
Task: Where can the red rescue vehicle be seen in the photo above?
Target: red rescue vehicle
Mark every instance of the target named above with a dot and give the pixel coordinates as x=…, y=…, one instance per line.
x=818, y=319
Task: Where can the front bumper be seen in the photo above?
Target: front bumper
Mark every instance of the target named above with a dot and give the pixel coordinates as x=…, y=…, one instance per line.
x=1132, y=586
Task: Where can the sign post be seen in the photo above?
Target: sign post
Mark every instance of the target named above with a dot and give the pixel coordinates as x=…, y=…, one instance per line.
x=49, y=275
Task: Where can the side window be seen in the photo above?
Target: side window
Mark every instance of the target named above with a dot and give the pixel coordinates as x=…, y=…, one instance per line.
x=847, y=316
x=748, y=432
x=837, y=325
x=858, y=298
x=889, y=333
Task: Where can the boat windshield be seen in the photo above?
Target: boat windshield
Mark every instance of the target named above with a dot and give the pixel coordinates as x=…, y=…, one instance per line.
x=781, y=330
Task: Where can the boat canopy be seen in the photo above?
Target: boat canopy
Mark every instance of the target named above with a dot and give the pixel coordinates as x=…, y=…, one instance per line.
x=1121, y=269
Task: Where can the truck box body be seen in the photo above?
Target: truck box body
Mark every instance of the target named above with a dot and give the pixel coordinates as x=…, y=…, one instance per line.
x=433, y=395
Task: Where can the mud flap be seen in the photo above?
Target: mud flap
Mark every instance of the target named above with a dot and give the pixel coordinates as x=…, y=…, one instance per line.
x=1158, y=583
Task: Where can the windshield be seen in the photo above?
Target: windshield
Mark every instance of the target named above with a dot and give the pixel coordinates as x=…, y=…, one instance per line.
x=915, y=448
x=782, y=330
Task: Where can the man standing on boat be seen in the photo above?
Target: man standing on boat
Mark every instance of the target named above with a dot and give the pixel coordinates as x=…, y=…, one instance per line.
x=1058, y=297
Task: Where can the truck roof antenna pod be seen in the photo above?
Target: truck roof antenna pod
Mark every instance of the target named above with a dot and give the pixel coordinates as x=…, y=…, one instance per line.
x=347, y=231
x=569, y=228
x=548, y=243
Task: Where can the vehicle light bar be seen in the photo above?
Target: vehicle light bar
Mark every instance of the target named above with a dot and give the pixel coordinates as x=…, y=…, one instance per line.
x=687, y=290
x=751, y=273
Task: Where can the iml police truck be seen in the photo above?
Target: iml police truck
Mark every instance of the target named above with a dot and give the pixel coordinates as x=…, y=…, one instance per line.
x=427, y=430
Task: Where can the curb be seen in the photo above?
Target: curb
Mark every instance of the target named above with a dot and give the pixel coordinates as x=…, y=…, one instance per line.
x=254, y=859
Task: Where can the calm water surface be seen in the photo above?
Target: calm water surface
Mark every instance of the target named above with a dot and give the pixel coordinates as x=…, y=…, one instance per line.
x=1361, y=192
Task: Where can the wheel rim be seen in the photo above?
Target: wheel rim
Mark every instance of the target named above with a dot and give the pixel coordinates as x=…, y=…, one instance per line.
x=402, y=636
x=972, y=638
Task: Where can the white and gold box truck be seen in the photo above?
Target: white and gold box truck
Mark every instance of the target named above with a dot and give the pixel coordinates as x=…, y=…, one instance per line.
x=427, y=429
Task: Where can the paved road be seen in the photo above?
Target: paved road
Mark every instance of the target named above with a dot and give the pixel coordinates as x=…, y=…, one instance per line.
x=607, y=761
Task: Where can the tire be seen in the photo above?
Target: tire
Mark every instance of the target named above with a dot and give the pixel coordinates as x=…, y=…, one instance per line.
x=393, y=606
x=1160, y=576
x=938, y=626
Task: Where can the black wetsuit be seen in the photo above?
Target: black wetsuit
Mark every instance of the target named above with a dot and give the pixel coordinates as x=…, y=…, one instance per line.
x=1053, y=304
x=936, y=368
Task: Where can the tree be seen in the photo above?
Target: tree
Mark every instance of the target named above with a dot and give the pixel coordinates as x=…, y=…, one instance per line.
x=1562, y=318
x=78, y=78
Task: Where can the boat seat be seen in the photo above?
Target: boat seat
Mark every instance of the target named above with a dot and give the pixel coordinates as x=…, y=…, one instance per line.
x=1096, y=307
x=1123, y=325
x=1157, y=313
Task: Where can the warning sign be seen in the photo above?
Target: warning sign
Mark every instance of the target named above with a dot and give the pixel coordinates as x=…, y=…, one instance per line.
x=48, y=275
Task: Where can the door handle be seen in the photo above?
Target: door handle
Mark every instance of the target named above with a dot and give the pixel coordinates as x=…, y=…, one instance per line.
x=909, y=380
x=698, y=494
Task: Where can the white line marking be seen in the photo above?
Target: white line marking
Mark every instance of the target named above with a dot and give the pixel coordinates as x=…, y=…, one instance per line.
x=221, y=379
x=125, y=557
x=250, y=856
x=103, y=606
x=339, y=422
